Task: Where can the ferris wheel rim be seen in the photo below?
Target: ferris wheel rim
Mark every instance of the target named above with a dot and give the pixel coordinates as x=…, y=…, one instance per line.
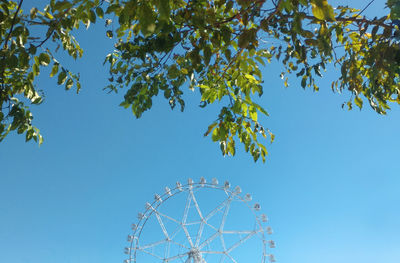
x=152, y=210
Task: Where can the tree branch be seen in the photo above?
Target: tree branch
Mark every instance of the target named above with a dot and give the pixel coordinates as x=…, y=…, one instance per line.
x=349, y=19
x=12, y=25
x=53, y=28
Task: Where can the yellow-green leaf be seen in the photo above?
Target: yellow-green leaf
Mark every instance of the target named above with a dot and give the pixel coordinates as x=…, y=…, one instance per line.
x=210, y=128
x=215, y=135
x=54, y=70
x=358, y=101
x=322, y=10
x=251, y=78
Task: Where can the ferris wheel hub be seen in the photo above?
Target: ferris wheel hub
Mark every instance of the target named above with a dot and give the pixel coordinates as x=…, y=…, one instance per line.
x=195, y=256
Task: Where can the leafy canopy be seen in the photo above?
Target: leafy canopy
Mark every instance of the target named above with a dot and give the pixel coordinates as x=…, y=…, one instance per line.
x=217, y=47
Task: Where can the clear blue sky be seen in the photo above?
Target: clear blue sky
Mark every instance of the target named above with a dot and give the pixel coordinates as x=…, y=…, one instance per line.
x=330, y=185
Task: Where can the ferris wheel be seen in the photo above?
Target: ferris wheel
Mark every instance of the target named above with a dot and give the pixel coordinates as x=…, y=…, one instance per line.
x=200, y=222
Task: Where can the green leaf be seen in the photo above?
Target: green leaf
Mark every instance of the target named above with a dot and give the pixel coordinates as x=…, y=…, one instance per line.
x=228, y=54
x=13, y=61
x=62, y=5
x=69, y=84
x=207, y=54
x=35, y=69
x=125, y=104
x=24, y=59
x=349, y=105
x=358, y=101
x=109, y=33
x=54, y=70
x=92, y=16
x=251, y=78
x=44, y=59
x=253, y=114
x=62, y=77
x=29, y=134
x=394, y=6
x=164, y=9
x=78, y=86
x=260, y=60
x=32, y=50
x=272, y=136
x=311, y=42
x=244, y=39
x=303, y=2
x=261, y=109
x=210, y=128
x=146, y=19
x=33, y=13
x=226, y=35
x=173, y=72
x=322, y=10
x=100, y=12
x=40, y=139
x=304, y=82
x=215, y=134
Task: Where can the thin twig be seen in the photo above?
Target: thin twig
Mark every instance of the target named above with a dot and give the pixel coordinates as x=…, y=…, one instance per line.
x=53, y=29
x=229, y=19
x=349, y=19
x=365, y=7
x=12, y=25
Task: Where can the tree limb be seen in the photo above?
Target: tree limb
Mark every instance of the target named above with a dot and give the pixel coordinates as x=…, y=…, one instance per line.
x=12, y=24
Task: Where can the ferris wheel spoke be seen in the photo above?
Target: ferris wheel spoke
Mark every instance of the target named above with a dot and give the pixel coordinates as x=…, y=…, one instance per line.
x=179, y=244
x=209, y=240
x=211, y=226
x=211, y=252
x=166, y=216
x=176, y=232
x=200, y=231
x=218, y=208
x=162, y=226
x=193, y=223
x=222, y=258
x=187, y=235
x=241, y=241
x=186, y=211
x=199, y=234
x=184, y=218
x=160, y=222
x=175, y=257
x=231, y=258
x=227, y=206
x=151, y=245
x=221, y=238
x=167, y=249
x=196, y=204
x=239, y=232
x=152, y=254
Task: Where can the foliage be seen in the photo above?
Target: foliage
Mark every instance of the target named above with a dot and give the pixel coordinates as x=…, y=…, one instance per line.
x=214, y=46
x=23, y=55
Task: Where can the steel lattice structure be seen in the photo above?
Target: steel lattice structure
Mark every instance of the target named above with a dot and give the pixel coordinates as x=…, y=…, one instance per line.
x=197, y=236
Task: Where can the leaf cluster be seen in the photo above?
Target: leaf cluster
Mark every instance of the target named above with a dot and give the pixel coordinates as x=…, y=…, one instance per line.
x=218, y=47
x=24, y=53
x=214, y=47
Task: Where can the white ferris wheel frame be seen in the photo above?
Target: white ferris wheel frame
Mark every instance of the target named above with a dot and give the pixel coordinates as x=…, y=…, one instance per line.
x=196, y=250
